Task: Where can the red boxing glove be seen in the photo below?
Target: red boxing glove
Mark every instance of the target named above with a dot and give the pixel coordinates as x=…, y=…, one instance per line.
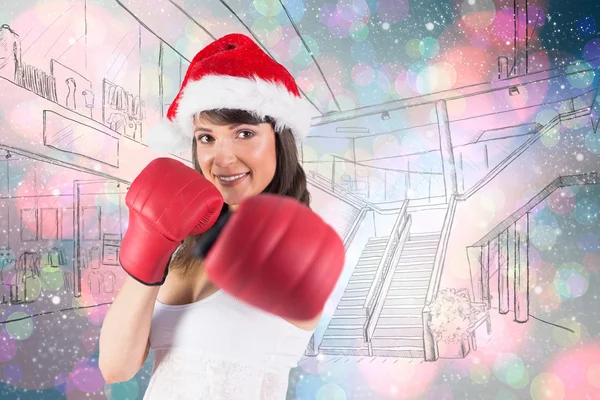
x=277, y=254
x=167, y=201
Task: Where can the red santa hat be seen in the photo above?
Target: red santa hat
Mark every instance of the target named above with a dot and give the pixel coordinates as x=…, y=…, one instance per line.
x=232, y=72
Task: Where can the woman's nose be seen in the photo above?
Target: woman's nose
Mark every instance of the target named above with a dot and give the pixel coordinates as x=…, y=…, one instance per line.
x=225, y=155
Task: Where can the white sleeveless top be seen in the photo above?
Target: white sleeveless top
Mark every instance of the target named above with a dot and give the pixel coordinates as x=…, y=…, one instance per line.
x=220, y=348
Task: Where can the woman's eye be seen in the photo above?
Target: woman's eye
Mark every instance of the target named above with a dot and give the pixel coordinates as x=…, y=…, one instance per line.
x=203, y=138
x=246, y=134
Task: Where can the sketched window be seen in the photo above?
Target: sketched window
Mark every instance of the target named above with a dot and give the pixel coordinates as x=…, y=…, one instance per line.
x=29, y=225
x=90, y=223
x=49, y=223
x=66, y=224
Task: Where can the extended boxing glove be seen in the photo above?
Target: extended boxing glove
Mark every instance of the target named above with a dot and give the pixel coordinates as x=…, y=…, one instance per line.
x=276, y=254
x=167, y=201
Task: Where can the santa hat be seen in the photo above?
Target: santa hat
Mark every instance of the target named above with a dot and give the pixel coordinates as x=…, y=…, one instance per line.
x=232, y=72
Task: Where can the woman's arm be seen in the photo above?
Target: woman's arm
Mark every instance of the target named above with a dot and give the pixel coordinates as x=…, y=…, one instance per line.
x=124, y=342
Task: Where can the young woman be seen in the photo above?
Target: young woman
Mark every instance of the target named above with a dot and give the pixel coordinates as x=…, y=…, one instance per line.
x=243, y=114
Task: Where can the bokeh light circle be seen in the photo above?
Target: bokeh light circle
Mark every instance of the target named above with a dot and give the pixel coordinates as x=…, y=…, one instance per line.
x=12, y=374
x=8, y=348
x=331, y=391
x=571, y=280
x=412, y=47
x=480, y=374
x=592, y=141
x=392, y=10
x=586, y=211
x=593, y=375
x=128, y=390
x=567, y=332
x=359, y=30
x=543, y=236
x=22, y=328
x=479, y=14
x=547, y=386
x=86, y=376
x=510, y=369
x=580, y=75
x=268, y=8
x=429, y=47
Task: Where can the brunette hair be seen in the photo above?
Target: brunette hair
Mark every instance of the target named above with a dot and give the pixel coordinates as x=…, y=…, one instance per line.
x=289, y=179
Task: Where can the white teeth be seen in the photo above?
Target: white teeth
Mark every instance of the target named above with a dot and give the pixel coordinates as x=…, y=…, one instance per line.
x=231, y=178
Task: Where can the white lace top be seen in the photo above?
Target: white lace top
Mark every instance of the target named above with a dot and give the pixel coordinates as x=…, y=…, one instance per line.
x=220, y=348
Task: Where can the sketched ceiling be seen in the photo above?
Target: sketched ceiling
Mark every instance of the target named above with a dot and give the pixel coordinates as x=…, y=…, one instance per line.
x=345, y=55
x=352, y=54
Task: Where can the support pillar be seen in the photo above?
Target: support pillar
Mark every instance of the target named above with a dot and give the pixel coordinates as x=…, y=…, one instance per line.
x=446, y=150
x=511, y=240
x=522, y=269
x=503, y=296
x=485, y=275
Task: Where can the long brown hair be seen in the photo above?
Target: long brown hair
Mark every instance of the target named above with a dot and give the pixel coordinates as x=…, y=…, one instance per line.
x=289, y=179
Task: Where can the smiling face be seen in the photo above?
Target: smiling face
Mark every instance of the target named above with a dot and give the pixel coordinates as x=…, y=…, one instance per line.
x=239, y=159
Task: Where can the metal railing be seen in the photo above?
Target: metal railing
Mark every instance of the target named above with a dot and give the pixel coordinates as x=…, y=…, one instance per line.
x=381, y=292
x=375, y=183
x=429, y=344
x=385, y=261
x=430, y=347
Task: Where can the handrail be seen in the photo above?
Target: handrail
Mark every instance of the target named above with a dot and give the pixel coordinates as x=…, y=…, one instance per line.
x=429, y=345
x=347, y=196
x=354, y=228
x=440, y=253
x=384, y=258
x=524, y=146
x=314, y=178
x=371, y=322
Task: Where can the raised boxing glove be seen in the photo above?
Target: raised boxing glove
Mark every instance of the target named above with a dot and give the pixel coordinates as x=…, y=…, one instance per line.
x=167, y=201
x=275, y=254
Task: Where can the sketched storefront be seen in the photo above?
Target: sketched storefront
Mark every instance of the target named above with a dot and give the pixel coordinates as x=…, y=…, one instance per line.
x=71, y=142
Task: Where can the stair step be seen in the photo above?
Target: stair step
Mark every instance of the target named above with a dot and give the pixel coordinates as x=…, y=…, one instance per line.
x=360, y=290
x=397, y=301
x=412, y=266
x=361, y=273
x=344, y=351
x=398, y=331
x=370, y=252
x=368, y=260
x=399, y=352
x=402, y=282
x=349, y=307
x=349, y=312
x=417, y=251
x=402, y=311
x=361, y=279
x=421, y=243
x=380, y=239
x=359, y=284
x=419, y=291
x=407, y=259
x=405, y=297
x=411, y=274
x=343, y=341
x=398, y=341
x=352, y=301
x=424, y=236
x=345, y=331
x=348, y=320
x=400, y=320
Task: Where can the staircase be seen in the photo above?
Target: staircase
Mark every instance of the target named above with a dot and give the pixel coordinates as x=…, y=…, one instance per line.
x=344, y=334
x=399, y=329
